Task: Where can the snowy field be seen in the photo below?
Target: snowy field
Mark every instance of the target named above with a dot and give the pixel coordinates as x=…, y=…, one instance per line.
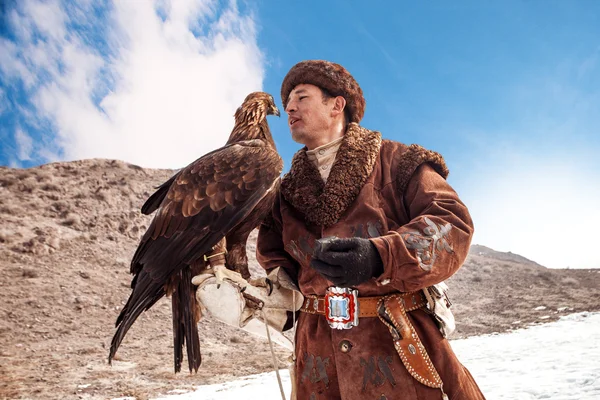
x=558, y=361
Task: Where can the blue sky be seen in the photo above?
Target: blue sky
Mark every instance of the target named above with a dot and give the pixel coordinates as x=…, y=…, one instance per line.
x=508, y=92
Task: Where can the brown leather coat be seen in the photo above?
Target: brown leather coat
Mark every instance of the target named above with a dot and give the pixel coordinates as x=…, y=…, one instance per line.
x=397, y=196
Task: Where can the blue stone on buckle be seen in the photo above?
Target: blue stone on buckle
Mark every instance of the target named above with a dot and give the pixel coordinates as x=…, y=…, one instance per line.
x=341, y=307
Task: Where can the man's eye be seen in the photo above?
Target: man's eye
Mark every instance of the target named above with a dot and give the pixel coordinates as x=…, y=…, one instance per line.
x=301, y=97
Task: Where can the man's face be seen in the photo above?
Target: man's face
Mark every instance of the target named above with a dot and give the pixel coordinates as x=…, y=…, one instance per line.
x=308, y=115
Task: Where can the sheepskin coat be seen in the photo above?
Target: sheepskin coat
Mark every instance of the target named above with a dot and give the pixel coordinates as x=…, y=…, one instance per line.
x=397, y=196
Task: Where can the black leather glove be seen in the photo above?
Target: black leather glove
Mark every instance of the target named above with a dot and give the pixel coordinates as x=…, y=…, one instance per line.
x=346, y=262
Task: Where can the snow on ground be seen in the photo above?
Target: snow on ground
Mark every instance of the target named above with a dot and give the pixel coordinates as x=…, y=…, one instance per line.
x=558, y=361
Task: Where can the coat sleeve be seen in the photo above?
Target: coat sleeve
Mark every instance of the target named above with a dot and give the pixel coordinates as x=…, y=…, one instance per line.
x=434, y=244
x=270, y=250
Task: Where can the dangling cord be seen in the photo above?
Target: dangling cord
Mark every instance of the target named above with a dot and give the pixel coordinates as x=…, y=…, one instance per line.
x=444, y=395
x=275, y=365
x=294, y=325
x=292, y=367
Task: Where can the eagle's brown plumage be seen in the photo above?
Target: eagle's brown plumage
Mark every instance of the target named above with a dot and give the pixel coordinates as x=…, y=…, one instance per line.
x=225, y=193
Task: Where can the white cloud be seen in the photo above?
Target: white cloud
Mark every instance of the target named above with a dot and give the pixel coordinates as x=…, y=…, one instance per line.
x=167, y=93
x=545, y=209
x=11, y=66
x=24, y=145
x=48, y=17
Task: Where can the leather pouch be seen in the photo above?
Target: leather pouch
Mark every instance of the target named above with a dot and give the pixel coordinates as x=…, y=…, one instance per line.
x=438, y=305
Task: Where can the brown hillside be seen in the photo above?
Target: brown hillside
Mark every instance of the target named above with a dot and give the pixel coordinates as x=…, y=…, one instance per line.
x=67, y=233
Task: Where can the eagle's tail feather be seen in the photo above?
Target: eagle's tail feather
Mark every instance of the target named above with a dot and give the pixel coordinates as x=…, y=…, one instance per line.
x=132, y=310
x=185, y=324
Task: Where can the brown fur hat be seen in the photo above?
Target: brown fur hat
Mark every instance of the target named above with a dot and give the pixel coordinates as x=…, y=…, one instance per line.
x=329, y=76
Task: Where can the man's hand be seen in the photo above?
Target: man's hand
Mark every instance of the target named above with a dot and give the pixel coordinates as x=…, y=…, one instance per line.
x=346, y=262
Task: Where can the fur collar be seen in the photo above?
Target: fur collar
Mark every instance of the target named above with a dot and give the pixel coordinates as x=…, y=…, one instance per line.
x=414, y=156
x=323, y=204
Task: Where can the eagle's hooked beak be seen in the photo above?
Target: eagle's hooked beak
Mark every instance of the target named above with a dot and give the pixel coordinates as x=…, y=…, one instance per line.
x=275, y=111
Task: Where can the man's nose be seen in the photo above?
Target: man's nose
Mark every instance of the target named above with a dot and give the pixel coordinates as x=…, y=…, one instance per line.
x=290, y=107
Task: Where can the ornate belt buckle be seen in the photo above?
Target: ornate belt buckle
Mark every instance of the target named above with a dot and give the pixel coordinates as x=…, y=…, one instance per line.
x=341, y=307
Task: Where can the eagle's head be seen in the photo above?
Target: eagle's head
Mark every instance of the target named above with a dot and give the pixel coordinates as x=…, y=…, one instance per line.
x=252, y=114
x=259, y=104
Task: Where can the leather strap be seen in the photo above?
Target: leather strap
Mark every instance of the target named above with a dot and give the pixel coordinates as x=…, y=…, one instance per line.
x=407, y=343
x=367, y=306
x=217, y=254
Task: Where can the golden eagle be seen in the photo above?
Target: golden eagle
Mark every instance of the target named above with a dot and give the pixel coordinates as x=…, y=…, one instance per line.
x=224, y=194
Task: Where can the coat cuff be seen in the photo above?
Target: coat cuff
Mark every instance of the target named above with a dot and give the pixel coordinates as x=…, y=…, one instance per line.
x=389, y=277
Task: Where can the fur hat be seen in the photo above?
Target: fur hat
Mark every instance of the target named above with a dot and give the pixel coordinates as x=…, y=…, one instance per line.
x=329, y=76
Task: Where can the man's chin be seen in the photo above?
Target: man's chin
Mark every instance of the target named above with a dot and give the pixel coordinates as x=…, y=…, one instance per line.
x=297, y=135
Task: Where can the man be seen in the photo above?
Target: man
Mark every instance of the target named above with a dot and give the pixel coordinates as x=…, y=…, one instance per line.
x=366, y=222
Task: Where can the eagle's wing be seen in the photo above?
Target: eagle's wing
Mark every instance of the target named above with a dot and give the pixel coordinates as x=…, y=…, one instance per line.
x=205, y=201
x=157, y=197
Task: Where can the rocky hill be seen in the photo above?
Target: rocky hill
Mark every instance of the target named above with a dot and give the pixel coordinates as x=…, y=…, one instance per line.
x=67, y=233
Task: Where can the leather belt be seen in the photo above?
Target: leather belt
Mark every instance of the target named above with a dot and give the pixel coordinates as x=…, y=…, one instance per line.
x=367, y=306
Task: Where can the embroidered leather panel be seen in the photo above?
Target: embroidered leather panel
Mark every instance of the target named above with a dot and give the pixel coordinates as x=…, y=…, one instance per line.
x=428, y=244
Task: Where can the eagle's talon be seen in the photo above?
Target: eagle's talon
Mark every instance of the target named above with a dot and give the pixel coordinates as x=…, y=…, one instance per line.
x=222, y=273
